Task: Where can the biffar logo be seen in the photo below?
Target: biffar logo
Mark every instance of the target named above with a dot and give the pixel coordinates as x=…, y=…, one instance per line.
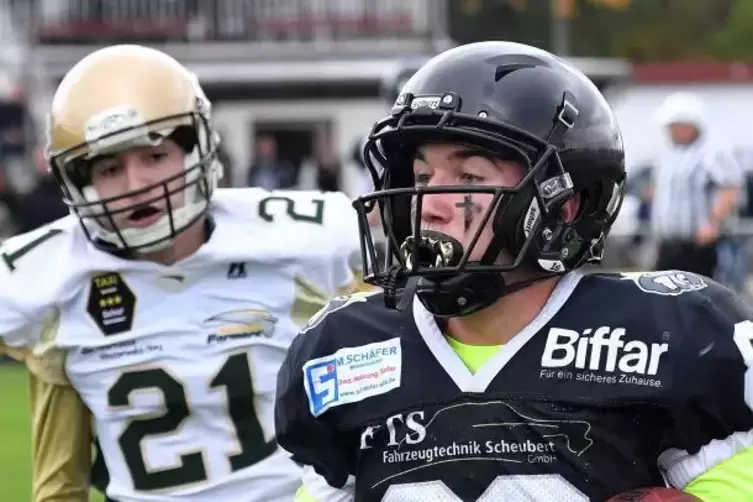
x=602, y=355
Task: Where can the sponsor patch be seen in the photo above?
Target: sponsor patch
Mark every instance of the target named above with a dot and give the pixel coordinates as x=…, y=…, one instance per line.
x=240, y=324
x=667, y=282
x=111, y=303
x=602, y=355
x=352, y=374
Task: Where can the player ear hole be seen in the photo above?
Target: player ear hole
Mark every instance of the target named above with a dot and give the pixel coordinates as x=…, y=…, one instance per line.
x=571, y=208
x=186, y=137
x=589, y=202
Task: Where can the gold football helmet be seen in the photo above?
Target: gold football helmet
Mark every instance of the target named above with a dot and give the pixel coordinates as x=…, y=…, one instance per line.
x=122, y=97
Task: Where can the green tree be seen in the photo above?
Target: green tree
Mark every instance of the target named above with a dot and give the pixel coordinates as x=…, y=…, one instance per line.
x=657, y=30
x=735, y=40
x=639, y=30
x=500, y=20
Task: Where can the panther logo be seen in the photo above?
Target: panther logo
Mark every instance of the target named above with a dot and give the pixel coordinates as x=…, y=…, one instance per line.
x=337, y=303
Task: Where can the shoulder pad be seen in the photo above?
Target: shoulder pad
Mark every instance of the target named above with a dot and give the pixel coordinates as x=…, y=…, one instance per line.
x=304, y=221
x=35, y=267
x=704, y=298
x=282, y=206
x=26, y=252
x=332, y=346
x=338, y=303
x=667, y=282
x=688, y=287
x=722, y=337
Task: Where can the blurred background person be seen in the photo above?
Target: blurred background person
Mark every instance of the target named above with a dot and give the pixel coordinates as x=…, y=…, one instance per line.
x=732, y=267
x=41, y=204
x=267, y=170
x=697, y=186
x=328, y=167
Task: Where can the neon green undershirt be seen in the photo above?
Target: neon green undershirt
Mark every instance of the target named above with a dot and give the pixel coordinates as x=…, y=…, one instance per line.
x=474, y=356
x=728, y=481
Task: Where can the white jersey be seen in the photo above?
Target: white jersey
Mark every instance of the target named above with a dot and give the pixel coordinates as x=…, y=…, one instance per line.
x=178, y=364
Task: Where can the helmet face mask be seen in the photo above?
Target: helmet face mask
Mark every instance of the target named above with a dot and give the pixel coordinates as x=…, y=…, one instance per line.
x=569, y=149
x=137, y=114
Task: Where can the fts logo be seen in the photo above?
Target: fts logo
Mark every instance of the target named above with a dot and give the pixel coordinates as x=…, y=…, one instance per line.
x=352, y=374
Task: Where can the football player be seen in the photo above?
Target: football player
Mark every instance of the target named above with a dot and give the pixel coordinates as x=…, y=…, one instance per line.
x=505, y=372
x=156, y=316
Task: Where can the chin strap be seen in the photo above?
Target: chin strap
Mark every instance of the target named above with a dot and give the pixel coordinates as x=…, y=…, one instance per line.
x=390, y=287
x=442, y=298
x=479, y=291
x=392, y=292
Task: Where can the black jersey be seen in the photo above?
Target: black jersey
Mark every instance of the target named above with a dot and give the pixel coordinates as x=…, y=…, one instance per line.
x=621, y=382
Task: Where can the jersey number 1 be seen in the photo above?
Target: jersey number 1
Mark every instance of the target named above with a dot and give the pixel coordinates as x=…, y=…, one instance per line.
x=10, y=258
x=235, y=377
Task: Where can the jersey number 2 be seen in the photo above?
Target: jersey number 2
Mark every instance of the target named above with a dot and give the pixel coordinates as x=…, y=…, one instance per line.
x=314, y=215
x=235, y=377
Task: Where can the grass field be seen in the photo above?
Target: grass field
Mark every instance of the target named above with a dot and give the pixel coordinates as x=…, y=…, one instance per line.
x=15, y=436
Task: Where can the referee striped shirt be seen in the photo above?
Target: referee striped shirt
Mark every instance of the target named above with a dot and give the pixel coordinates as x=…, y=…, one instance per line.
x=686, y=180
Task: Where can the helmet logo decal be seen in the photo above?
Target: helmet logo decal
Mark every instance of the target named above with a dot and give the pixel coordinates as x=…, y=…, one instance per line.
x=531, y=217
x=425, y=102
x=112, y=120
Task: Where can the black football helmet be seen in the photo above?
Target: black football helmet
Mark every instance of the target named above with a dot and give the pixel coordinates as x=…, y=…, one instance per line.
x=519, y=103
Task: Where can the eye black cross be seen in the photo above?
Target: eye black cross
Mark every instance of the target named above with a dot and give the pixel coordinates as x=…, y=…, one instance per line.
x=469, y=208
